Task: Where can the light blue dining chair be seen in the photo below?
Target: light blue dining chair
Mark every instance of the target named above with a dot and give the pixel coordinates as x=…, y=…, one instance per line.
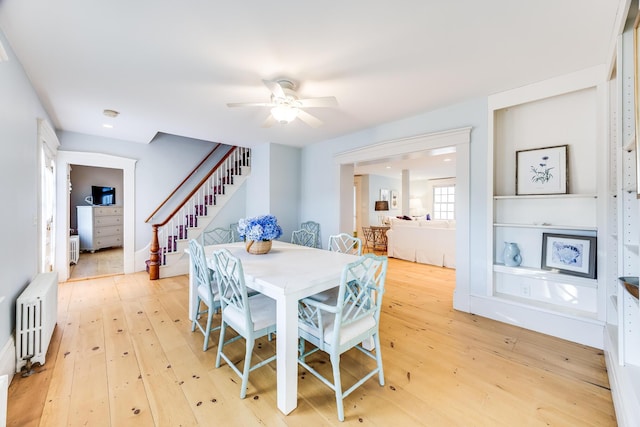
x=303, y=238
x=312, y=227
x=235, y=235
x=206, y=291
x=217, y=236
x=345, y=243
x=251, y=317
x=337, y=328
x=342, y=243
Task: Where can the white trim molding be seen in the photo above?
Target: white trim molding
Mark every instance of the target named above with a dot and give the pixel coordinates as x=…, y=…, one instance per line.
x=4, y=391
x=403, y=146
x=8, y=358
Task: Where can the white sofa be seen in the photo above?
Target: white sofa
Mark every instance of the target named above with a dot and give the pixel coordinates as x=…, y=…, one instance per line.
x=427, y=242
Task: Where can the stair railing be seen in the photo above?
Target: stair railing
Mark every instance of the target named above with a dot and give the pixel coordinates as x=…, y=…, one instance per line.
x=185, y=215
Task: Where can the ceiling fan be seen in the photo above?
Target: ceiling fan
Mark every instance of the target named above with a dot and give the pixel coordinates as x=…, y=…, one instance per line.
x=286, y=105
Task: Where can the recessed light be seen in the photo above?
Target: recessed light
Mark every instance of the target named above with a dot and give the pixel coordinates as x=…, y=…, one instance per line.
x=446, y=160
x=111, y=113
x=107, y=125
x=388, y=167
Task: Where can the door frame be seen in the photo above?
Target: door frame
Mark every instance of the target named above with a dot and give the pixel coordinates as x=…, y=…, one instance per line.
x=63, y=163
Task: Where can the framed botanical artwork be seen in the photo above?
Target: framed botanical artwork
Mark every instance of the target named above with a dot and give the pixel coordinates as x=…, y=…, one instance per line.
x=569, y=254
x=542, y=170
x=384, y=194
x=395, y=200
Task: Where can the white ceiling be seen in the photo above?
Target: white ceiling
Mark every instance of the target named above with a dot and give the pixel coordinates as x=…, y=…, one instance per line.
x=172, y=67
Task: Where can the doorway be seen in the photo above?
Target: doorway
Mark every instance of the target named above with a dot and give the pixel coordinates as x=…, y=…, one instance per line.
x=108, y=257
x=460, y=138
x=65, y=160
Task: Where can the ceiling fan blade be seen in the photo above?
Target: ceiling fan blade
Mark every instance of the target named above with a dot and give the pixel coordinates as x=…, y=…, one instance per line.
x=250, y=104
x=325, y=101
x=274, y=88
x=309, y=119
x=270, y=121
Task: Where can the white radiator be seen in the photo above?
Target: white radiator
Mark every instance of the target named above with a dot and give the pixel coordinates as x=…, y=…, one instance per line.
x=36, y=314
x=74, y=249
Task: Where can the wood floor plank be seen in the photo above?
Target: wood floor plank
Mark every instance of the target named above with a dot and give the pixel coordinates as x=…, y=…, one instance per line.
x=89, y=403
x=128, y=401
x=166, y=399
x=56, y=407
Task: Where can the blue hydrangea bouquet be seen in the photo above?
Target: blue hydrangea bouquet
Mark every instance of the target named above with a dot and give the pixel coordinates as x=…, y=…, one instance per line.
x=258, y=232
x=263, y=227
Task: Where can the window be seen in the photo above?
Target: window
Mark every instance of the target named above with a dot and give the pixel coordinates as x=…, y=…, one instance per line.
x=444, y=198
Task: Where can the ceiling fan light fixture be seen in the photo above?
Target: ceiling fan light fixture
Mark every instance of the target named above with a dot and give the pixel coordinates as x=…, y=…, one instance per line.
x=284, y=113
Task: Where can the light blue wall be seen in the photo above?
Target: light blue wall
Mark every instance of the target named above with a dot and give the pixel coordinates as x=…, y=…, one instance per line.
x=19, y=110
x=285, y=188
x=160, y=167
x=321, y=173
x=274, y=185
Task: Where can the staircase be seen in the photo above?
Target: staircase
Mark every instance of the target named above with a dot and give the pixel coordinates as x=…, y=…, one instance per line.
x=171, y=237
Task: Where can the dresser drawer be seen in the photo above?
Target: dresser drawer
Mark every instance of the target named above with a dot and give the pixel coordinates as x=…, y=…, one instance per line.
x=114, y=230
x=103, y=221
x=107, y=210
x=106, y=241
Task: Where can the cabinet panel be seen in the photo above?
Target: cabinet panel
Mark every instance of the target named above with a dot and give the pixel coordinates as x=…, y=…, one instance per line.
x=581, y=300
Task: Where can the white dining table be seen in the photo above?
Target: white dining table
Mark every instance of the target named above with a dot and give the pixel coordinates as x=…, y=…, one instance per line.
x=287, y=273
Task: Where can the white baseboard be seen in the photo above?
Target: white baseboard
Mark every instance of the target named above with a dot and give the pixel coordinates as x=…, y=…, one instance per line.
x=579, y=330
x=8, y=359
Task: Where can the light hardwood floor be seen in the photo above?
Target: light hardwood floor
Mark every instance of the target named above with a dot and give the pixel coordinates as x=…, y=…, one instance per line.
x=100, y=263
x=123, y=354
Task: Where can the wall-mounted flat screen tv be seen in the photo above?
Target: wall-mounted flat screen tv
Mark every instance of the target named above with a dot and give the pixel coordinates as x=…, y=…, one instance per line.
x=103, y=196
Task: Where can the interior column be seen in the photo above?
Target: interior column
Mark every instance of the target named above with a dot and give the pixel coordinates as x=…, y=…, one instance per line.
x=405, y=191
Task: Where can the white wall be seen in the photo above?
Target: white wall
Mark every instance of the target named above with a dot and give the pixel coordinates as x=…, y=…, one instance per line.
x=376, y=183
x=19, y=110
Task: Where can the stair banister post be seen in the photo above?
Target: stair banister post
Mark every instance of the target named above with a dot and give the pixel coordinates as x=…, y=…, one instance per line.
x=154, y=258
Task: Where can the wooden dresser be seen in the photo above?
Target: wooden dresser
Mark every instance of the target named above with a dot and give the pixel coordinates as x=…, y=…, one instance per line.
x=99, y=227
